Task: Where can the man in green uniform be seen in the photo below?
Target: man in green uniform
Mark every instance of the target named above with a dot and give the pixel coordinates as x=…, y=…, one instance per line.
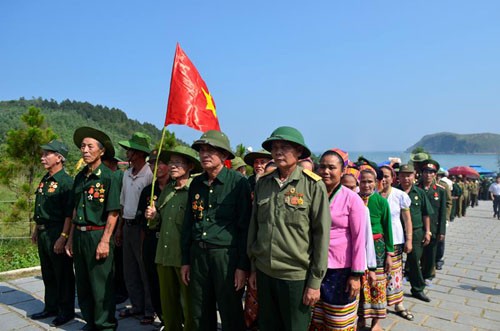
x=169, y=211
x=437, y=197
x=214, y=234
x=289, y=236
x=53, y=211
x=258, y=161
x=420, y=210
x=461, y=199
x=97, y=203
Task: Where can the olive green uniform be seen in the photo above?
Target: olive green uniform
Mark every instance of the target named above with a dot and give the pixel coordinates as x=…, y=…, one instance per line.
x=52, y=207
x=288, y=244
x=420, y=207
x=438, y=201
x=214, y=237
x=95, y=196
x=175, y=298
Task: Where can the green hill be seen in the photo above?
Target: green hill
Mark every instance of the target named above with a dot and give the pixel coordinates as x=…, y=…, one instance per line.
x=451, y=143
x=66, y=116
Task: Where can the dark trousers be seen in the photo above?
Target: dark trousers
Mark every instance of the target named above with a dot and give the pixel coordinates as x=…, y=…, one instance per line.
x=440, y=253
x=94, y=280
x=280, y=304
x=428, y=260
x=57, y=274
x=212, y=286
x=148, y=256
x=473, y=200
x=453, y=212
x=496, y=205
x=413, y=262
x=121, y=288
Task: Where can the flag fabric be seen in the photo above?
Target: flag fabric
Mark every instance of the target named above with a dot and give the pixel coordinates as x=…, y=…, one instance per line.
x=190, y=102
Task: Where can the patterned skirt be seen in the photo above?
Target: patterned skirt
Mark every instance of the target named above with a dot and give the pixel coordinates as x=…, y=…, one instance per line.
x=335, y=310
x=373, y=301
x=395, y=278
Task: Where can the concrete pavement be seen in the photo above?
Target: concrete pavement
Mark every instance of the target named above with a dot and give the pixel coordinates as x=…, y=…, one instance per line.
x=465, y=294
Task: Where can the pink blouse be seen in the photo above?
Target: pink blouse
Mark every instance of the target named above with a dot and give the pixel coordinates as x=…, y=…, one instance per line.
x=347, y=231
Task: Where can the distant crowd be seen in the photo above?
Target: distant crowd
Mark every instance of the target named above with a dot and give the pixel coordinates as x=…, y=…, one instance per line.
x=188, y=237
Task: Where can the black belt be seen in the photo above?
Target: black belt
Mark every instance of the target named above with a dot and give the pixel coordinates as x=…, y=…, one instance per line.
x=155, y=233
x=130, y=222
x=43, y=227
x=205, y=245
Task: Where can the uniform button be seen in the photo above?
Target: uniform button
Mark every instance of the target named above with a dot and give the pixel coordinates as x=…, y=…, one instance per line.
x=83, y=205
x=209, y=206
x=166, y=232
x=80, y=217
x=211, y=191
x=170, y=218
x=204, y=233
x=165, y=246
x=208, y=218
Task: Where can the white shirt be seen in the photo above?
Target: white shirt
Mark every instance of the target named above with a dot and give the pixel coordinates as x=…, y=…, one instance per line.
x=371, y=257
x=495, y=189
x=131, y=190
x=397, y=200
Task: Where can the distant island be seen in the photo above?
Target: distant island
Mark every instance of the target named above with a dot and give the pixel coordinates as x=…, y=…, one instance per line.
x=453, y=143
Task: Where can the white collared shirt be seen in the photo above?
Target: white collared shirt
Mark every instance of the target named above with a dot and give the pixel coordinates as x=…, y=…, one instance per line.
x=131, y=189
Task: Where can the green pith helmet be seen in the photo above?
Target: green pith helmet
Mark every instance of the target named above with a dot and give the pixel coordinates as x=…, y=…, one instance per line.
x=237, y=163
x=88, y=132
x=289, y=134
x=252, y=156
x=139, y=141
x=215, y=139
x=185, y=152
x=406, y=168
x=419, y=157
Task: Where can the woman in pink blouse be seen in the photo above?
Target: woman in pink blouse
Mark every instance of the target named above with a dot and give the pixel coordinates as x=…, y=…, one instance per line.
x=337, y=307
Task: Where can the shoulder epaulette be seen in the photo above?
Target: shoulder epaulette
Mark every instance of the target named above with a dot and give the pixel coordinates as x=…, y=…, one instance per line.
x=311, y=174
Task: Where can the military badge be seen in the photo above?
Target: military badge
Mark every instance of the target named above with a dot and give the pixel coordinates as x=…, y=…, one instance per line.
x=40, y=187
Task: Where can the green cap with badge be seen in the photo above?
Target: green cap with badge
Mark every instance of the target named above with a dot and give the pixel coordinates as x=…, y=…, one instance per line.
x=289, y=134
x=406, y=168
x=430, y=165
x=56, y=146
x=139, y=142
x=216, y=139
x=88, y=132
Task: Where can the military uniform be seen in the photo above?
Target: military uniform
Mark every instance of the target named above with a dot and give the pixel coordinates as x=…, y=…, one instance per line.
x=420, y=206
x=96, y=194
x=214, y=237
x=437, y=197
x=52, y=207
x=288, y=240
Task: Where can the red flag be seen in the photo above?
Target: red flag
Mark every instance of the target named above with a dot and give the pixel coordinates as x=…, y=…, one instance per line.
x=189, y=102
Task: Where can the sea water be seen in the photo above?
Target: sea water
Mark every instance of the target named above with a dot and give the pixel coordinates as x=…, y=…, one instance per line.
x=488, y=161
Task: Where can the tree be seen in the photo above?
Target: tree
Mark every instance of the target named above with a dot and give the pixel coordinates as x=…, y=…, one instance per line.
x=21, y=163
x=240, y=150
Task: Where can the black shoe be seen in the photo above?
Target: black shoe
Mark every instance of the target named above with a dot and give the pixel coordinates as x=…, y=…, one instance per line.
x=62, y=319
x=43, y=314
x=439, y=267
x=421, y=296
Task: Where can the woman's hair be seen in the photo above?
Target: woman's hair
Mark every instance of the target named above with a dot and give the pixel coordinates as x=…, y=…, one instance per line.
x=330, y=152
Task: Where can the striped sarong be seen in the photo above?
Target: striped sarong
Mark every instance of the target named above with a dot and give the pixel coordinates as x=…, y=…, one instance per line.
x=395, y=278
x=373, y=301
x=335, y=311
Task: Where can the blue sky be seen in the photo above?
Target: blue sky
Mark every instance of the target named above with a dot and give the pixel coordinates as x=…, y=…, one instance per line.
x=359, y=75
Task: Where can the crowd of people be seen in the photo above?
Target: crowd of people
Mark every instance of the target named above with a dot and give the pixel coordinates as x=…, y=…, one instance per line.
x=185, y=234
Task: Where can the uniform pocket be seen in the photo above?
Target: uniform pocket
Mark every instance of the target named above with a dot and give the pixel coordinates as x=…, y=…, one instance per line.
x=263, y=208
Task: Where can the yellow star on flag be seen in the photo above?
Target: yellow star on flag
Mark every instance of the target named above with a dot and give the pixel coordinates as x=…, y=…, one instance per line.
x=210, y=103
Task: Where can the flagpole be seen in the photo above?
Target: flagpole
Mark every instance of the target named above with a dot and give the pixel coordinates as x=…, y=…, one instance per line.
x=152, y=202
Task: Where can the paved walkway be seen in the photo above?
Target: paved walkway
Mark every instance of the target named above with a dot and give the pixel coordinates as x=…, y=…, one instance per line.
x=465, y=294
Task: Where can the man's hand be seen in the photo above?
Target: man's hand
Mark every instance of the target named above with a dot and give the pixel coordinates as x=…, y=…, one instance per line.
x=310, y=297
x=69, y=247
x=150, y=212
x=34, y=236
x=427, y=239
x=353, y=286
x=240, y=277
x=102, y=250
x=441, y=237
x=186, y=274
x=372, y=277
x=59, y=245
x=408, y=247
x=252, y=280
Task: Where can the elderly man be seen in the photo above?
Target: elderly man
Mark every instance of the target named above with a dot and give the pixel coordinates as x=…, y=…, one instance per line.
x=257, y=160
x=215, y=228
x=289, y=235
x=128, y=232
x=53, y=211
x=420, y=209
x=97, y=204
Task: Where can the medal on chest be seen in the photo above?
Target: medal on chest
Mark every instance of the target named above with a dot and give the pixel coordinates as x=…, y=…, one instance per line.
x=96, y=192
x=197, y=206
x=52, y=187
x=293, y=197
